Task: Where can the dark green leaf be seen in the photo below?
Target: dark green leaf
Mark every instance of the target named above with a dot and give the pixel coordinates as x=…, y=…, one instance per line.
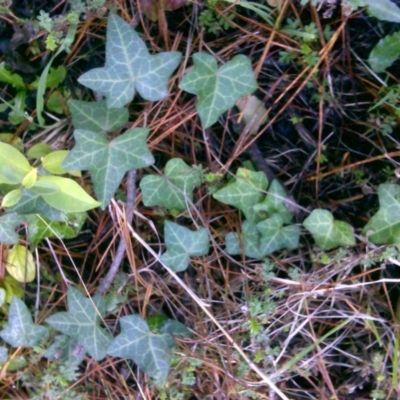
x=8, y=224
x=385, y=53
x=106, y=161
x=130, y=66
x=20, y=330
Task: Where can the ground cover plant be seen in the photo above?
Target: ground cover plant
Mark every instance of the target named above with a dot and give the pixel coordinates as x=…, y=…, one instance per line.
x=199, y=200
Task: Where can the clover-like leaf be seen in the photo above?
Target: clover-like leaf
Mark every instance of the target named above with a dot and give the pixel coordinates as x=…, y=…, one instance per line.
x=274, y=202
x=130, y=66
x=8, y=223
x=81, y=322
x=95, y=116
x=182, y=243
x=174, y=189
x=107, y=161
x=275, y=236
x=247, y=242
x=384, y=226
x=327, y=232
x=247, y=191
x=20, y=331
x=218, y=88
x=151, y=352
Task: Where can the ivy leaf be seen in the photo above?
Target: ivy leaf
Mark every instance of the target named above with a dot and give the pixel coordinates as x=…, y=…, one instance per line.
x=81, y=322
x=385, y=52
x=20, y=330
x=182, y=243
x=8, y=224
x=218, y=88
x=95, y=116
x=173, y=190
x=273, y=203
x=247, y=191
x=275, y=236
x=151, y=352
x=327, y=232
x=130, y=66
x=384, y=226
x=106, y=161
x=247, y=242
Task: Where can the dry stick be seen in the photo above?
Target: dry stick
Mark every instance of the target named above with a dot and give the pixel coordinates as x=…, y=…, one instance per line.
x=119, y=255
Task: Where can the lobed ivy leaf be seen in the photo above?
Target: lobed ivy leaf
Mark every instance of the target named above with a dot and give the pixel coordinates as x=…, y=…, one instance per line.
x=95, y=116
x=247, y=191
x=173, y=190
x=274, y=202
x=106, y=161
x=8, y=224
x=247, y=242
x=385, y=52
x=151, y=352
x=20, y=331
x=218, y=88
x=130, y=66
x=327, y=232
x=275, y=236
x=182, y=243
x=384, y=226
x=81, y=322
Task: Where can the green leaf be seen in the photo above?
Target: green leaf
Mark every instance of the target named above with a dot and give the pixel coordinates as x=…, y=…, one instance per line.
x=182, y=243
x=13, y=165
x=8, y=224
x=12, y=198
x=385, y=10
x=52, y=163
x=327, y=232
x=39, y=150
x=174, y=190
x=66, y=350
x=41, y=227
x=14, y=80
x=70, y=196
x=150, y=352
x=247, y=242
x=81, y=322
x=54, y=78
x=130, y=66
x=108, y=162
x=247, y=191
x=275, y=236
x=96, y=117
x=33, y=203
x=274, y=204
x=218, y=88
x=384, y=226
x=385, y=53
x=20, y=330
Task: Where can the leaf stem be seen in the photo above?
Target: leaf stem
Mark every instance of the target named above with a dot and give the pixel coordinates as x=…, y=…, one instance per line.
x=105, y=284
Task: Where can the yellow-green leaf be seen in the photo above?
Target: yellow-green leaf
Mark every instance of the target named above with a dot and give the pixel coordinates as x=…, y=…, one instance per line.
x=30, y=178
x=11, y=198
x=13, y=165
x=70, y=197
x=52, y=163
x=20, y=264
